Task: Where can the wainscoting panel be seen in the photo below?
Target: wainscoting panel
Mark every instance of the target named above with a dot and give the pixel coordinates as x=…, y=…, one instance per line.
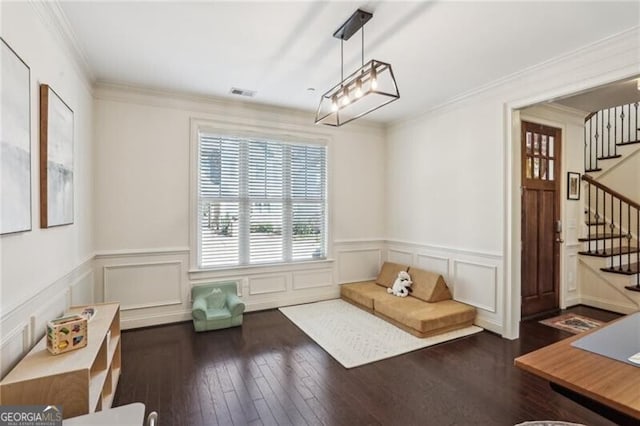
x=143, y=285
x=82, y=290
x=572, y=293
x=268, y=284
x=474, y=278
x=397, y=255
x=358, y=264
x=24, y=325
x=572, y=272
x=54, y=309
x=151, y=285
x=476, y=284
x=433, y=263
x=13, y=346
x=312, y=279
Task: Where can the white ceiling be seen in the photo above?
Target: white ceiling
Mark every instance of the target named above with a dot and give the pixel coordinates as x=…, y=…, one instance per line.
x=611, y=95
x=438, y=50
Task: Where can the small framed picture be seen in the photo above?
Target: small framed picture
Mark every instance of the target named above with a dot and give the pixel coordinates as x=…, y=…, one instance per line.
x=573, y=186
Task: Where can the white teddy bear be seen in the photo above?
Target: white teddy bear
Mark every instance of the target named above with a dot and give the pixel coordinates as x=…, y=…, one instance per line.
x=402, y=285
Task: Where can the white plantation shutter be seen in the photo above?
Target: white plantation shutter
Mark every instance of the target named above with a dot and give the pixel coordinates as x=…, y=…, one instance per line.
x=260, y=201
x=219, y=202
x=308, y=201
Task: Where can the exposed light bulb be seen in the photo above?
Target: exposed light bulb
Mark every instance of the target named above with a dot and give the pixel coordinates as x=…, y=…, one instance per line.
x=346, y=100
x=374, y=78
x=358, y=92
x=334, y=103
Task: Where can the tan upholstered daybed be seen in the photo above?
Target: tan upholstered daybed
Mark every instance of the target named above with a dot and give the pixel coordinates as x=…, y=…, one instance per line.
x=427, y=311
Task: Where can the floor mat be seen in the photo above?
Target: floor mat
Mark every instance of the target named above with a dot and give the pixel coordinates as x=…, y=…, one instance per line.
x=572, y=323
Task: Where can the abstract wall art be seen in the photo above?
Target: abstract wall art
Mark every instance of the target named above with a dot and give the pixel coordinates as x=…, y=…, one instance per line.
x=15, y=142
x=56, y=159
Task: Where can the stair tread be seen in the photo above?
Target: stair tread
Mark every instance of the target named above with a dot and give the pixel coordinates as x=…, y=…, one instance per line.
x=609, y=157
x=631, y=269
x=627, y=143
x=610, y=251
x=601, y=236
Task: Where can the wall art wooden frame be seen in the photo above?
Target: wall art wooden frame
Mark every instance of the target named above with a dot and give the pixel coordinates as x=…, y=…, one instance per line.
x=15, y=142
x=56, y=159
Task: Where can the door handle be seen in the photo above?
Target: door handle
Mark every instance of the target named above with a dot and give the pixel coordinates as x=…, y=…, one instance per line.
x=559, y=240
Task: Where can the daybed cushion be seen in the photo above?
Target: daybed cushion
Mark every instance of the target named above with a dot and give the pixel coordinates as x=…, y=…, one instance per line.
x=426, y=318
x=428, y=286
x=389, y=273
x=363, y=293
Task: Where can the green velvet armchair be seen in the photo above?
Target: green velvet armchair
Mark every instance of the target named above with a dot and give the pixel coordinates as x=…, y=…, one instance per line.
x=216, y=306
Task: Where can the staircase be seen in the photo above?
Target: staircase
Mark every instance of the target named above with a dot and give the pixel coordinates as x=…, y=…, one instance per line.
x=611, y=244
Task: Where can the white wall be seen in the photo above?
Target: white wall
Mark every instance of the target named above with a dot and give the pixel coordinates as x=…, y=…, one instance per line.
x=143, y=213
x=625, y=174
x=453, y=172
x=44, y=270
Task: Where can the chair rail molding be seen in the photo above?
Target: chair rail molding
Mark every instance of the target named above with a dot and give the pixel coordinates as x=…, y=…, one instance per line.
x=25, y=320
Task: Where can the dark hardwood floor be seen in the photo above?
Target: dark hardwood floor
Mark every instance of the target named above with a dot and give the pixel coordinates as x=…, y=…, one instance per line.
x=269, y=372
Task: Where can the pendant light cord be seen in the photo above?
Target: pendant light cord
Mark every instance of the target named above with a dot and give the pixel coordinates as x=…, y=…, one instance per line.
x=362, y=50
x=341, y=60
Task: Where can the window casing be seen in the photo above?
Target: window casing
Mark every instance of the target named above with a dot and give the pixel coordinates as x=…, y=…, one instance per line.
x=260, y=201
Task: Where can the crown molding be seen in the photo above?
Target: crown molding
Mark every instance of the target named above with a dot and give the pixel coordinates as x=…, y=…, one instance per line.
x=165, y=98
x=54, y=18
x=632, y=34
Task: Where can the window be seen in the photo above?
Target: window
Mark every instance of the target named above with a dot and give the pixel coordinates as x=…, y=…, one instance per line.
x=260, y=201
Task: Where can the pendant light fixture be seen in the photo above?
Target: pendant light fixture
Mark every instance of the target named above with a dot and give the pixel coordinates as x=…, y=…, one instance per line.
x=368, y=88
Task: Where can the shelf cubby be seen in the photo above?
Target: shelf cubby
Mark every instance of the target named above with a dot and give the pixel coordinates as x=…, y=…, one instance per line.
x=82, y=380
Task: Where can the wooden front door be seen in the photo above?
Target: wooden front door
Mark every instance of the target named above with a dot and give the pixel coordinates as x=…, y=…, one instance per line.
x=541, y=226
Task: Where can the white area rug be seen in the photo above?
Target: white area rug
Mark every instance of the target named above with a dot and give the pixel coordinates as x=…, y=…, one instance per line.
x=355, y=337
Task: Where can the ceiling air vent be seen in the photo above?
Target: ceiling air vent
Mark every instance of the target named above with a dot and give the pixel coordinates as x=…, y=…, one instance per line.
x=243, y=92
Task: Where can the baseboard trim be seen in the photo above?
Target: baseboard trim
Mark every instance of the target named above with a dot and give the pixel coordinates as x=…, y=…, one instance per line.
x=129, y=320
x=490, y=326
x=606, y=305
x=273, y=304
x=575, y=301
x=127, y=323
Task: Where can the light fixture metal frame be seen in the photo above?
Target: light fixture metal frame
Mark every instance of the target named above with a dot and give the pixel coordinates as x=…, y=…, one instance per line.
x=350, y=84
x=354, y=23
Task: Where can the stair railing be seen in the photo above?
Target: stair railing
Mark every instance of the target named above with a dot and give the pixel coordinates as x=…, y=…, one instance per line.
x=606, y=130
x=623, y=216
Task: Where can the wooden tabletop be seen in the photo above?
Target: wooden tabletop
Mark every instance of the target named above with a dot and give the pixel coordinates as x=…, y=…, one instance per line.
x=125, y=415
x=605, y=380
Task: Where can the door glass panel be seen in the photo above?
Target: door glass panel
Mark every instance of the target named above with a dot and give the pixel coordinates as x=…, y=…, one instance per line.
x=536, y=168
x=543, y=168
x=551, y=151
x=551, y=176
x=544, y=144
x=528, y=143
x=529, y=164
x=536, y=143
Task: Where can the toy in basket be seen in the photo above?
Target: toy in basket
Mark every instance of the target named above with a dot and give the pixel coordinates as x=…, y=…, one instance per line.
x=66, y=333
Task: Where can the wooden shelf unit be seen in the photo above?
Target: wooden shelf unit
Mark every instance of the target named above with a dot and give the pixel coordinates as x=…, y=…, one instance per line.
x=82, y=381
